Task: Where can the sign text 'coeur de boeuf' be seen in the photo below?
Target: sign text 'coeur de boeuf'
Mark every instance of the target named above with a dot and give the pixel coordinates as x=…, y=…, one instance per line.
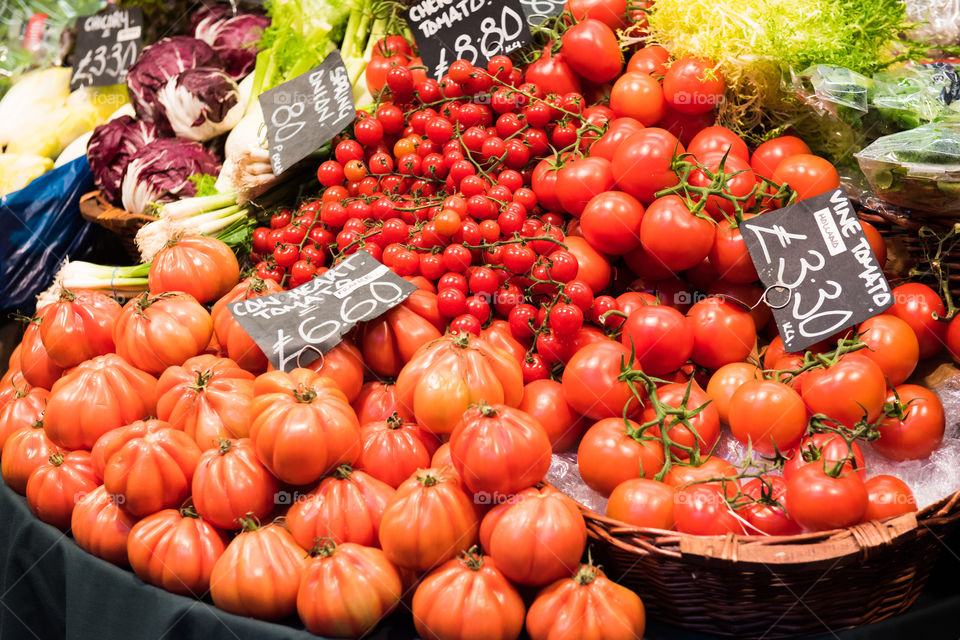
x=108, y=42
x=819, y=270
x=293, y=328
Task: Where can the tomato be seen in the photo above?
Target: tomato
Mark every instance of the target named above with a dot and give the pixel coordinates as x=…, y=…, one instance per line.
x=113, y=440
x=685, y=125
x=95, y=397
x=618, y=130
x=552, y=73
x=538, y=536
x=807, y=174
x=208, y=398
x=346, y=590
x=916, y=304
x=203, y=267
x=24, y=409
x=393, y=449
x=451, y=373
x=34, y=362
x=826, y=450
x=101, y=528
x=230, y=483
x=156, y=332
x=544, y=183
x=302, y=426
x=544, y=401
x=591, y=49
x=702, y=509
x=613, y=451
x=610, y=222
x=711, y=468
x=768, y=415
x=389, y=341
x=722, y=332
x=693, y=85
x=768, y=156
x=892, y=345
x=587, y=606
x=738, y=181
x=259, y=573
x=580, y=180
x=345, y=507
x=78, y=326
x=24, y=451
x=877, y=244
x=591, y=383
x=888, y=496
x=639, y=96
x=378, y=401
x=729, y=254
x=641, y=502
x=768, y=515
x=499, y=334
x=953, y=339
x=428, y=520
x=704, y=428
x=726, y=381
x=610, y=12
x=55, y=486
x=175, y=550
x=377, y=69
x=152, y=471
x=467, y=597
x=592, y=267
x=642, y=164
x=498, y=450
x=660, y=337
x=651, y=59
x=914, y=425
x=847, y=390
x=344, y=366
x=718, y=140
x=234, y=340
x=667, y=219
x=820, y=502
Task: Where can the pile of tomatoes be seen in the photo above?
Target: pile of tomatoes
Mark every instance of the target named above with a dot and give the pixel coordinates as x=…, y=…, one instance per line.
x=572, y=230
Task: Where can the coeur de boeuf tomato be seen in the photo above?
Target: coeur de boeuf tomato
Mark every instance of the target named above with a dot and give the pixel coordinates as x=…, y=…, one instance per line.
x=535, y=538
x=913, y=427
x=204, y=267
x=230, y=483
x=346, y=590
x=207, y=397
x=451, y=373
x=847, y=391
x=32, y=360
x=55, y=486
x=818, y=501
x=344, y=366
x=378, y=401
x=101, y=528
x=456, y=600
x=25, y=408
x=394, y=448
x=259, y=573
x=429, y=520
x=643, y=502
x=111, y=442
x=175, y=550
x=24, y=451
x=389, y=341
x=345, y=507
x=768, y=415
x=96, y=396
x=233, y=339
x=156, y=332
x=302, y=426
x=588, y=606
x=79, y=326
x=544, y=401
x=613, y=451
x=888, y=496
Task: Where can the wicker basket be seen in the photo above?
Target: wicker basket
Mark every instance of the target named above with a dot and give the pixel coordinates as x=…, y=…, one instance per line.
x=98, y=210
x=756, y=586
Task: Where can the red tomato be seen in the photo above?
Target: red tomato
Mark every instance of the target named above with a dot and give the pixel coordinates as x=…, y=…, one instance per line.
x=33, y=361
x=642, y=164
x=393, y=449
x=613, y=451
x=580, y=180
x=820, y=502
x=876, y=241
x=591, y=381
x=651, y=59
x=726, y=381
x=739, y=179
x=729, y=255
x=611, y=221
x=552, y=73
x=702, y=509
x=826, y=450
x=768, y=156
x=888, y=496
x=685, y=125
x=24, y=409
x=230, y=483
x=704, y=428
x=807, y=174
x=156, y=332
x=233, y=339
x=591, y=48
x=722, y=332
x=55, y=486
x=545, y=402
x=642, y=502
x=618, y=130
x=592, y=267
x=24, y=451
x=768, y=415
x=847, y=390
x=77, y=327
x=613, y=13
x=916, y=304
x=101, y=528
x=914, y=425
x=660, y=336
x=719, y=140
x=693, y=85
x=639, y=96
x=892, y=345
x=344, y=366
x=378, y=401
x=389, y=341
x=204, y=267
x=768, y=515
x=667, y=219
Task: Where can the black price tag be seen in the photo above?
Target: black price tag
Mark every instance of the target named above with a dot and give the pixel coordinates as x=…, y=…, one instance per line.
x=307, y=112
x=295, y=327
x=472, y=30
x=820, y=273
x=539, y=11
x=108, y=43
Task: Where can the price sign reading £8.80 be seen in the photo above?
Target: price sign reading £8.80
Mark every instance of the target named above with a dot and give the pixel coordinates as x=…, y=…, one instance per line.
x=539, y=11
x=107, y=44
x=820, y=272
x=472, y=30
x=295, y=327
x=305, y=113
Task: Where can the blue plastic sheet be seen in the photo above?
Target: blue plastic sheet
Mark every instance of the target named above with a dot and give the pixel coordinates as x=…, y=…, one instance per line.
x=40, y=225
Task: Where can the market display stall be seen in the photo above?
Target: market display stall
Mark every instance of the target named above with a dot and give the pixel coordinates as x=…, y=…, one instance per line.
x=346, y=319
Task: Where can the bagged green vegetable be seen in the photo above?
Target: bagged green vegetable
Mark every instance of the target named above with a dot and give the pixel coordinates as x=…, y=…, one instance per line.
x=908, y=97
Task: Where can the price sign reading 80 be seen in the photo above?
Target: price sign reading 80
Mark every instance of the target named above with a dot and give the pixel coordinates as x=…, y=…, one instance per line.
x=539, y=11
x=820, y=273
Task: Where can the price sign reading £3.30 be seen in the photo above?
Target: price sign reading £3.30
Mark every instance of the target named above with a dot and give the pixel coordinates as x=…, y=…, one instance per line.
x=295, y=327
x=820, y=272
x=472, y=30
x=107, y=44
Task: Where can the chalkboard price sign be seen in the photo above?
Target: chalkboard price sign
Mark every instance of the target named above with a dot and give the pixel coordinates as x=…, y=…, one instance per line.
x=472, y=30
x=305, y=113
x=538, y=11
x=820, y=273
x=108, y=43
x=295, y=327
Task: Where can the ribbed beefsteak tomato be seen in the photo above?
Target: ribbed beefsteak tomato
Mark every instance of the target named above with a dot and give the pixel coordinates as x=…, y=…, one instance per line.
x=25, y=408
x=233, y=339
x=203, y=267
x=393, y=449
x=388, y=342
x=101, y=527
x=156, y=332
x=55, y=486
x=24, y=451
x=230, y=483
x=35, y=363
x=78, y=326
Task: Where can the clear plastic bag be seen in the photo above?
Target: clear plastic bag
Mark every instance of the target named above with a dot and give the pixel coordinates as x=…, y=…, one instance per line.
x=938, y=21
x=834, y=90
x=916, y=169
x=909, y=97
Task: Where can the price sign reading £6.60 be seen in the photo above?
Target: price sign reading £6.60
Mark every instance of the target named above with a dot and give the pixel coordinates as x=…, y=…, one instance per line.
x=305, y=113
x=107, y=44
x=820, y=272
x=472, y=30
x=295, y=327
